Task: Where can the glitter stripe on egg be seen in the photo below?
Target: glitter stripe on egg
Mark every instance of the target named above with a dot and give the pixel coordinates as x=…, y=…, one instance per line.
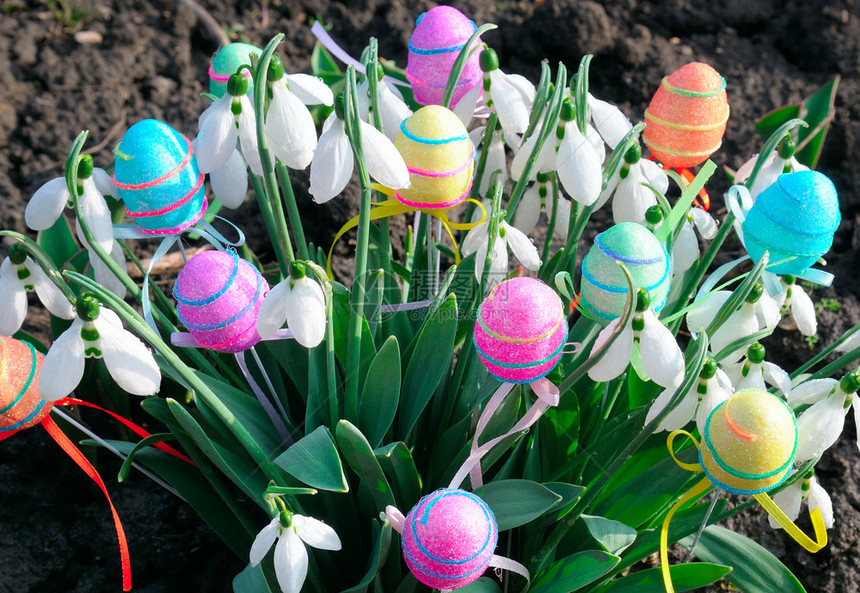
x=147, y=184
x=733, y=490
x=426, y=511
x=441, y=85
x=685, y=127
x=178, y=229
x=171, y=207
x=629, y=260
x=689, y=93
x=225, y=78
x=27, y=383
x=683, y=153
x=226, y=322
x=512, y=340
x=216, y=295
x=522, y=365
x=431, y=141
x=32, y=415
x=451, y=204
x=438, y=174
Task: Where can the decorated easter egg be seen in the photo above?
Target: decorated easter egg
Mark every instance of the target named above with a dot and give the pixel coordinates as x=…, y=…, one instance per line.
x=794, y=220
x=749, y=442
x=20, y=404
x=219, y=296
x=226, y=61
x=440, y=157
x=448, y=538
x=686, y=119
x=520, y=330
x=440, y=34
x=604, y=287
x=157, y=177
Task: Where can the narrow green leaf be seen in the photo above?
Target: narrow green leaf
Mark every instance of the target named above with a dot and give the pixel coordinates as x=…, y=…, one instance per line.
x=569, y=493
x=770, y=122
x=251, y=580
x=58, y=242
x=574, y=572
x=818, y=110
x=314, y=461
x=756, y=570
x=379, y=554
x=322, y=61
x=482, y=585
x=516, y=502
x=381, y=393
x=396, y=460
x=359, y=455
x=340, y=311
x=685, y=577
x=428, y=362
x=614, y=536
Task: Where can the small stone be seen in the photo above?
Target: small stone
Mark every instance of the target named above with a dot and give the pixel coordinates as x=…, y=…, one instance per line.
x=88, y=37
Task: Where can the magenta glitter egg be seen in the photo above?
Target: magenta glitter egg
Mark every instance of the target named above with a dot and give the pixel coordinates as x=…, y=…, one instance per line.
x=219, y=296
x=520, y=330
x=449, y=538
x=440, y=34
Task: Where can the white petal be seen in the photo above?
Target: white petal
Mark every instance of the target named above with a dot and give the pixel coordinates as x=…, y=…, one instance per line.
x=315, y=533
x=291, y=562
x=248, y=136
x=632, y=198
x=46, y=205
x=742, y=174
x=578, y=166
x=740, y=324
x=681, y=415
x=497, y=164
x=612, y=124
x=63, y=367
x=754, y=378
x=104, y=183
x=777, y=377
x=103, y=273
x=508, y=103
x=596, y=142
x=704, y=222
x=306, y=316
x=655, y=175
x=660, y=402
x=230, y=182
x=811, y=392
x=819, y=427
x=522, y=247
x=803, y=311
x=384, y=162
x=518, y=164
x=14, y=299
x=128, y=360
x=332, y=165
x=480, y=258
x=851, y=343
x=562, y=216
x=96, y=213
x=685, y=250
x=264, y=540
x=609, y=189
x=465, y=107
x=524, y=87
x=767, y=176
x=273, y=311
x=788, y=500
x=528, y=210
x=218, y=134
x=474, y=239
x=290, y=129
x=498, y=263
x=393, y=111
x=715, y=396
x=705, y=310
x=616, y=359
x=49, y=293
x=661, y=357
x=767, y=311
x=310, y=90
x=819, y=499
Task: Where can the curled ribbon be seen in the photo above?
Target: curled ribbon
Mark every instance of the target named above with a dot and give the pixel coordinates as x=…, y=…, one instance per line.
x=763, y=499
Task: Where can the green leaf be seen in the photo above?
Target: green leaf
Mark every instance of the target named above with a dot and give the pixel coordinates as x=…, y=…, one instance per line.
x=314, y=461
x=340, y=312
x=756, y=570
x=251, y=580
x=428, y=362
x=569, y=493
x=818, y=110
x=614, y=536
x=381, y=393
x=573, y=572
x=396, y=460
x=381, y=545
x=516, y=502
x=322, y=62
x=58, y=242
x=770, y=122
x=685, y=577
x=482, y=585
x=359, y=455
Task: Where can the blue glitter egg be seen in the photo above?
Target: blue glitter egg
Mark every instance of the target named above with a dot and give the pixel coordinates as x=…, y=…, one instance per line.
x=158, y=180
x=794, y=219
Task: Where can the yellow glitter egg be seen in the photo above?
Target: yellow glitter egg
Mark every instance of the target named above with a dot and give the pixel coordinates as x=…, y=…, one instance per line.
x=440, y=157
x=20, y=404
x=749, y=442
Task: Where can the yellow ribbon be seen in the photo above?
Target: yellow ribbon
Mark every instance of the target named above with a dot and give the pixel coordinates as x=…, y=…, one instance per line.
x=392, y=207
x=764, y=500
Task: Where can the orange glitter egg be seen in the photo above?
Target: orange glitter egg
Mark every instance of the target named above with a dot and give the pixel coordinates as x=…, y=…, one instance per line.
x=20, y=404
x=687, y=116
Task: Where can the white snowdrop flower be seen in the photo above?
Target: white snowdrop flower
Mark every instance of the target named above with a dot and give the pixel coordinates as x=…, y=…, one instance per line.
x=635, y=198
x=851, y=343
x=299, y=301
x=497, y=162
x=546, y=158
x=465, y=107
x=392, y=109
x=97, y=332
x=227, y=119
x=685, y=249
x=661, y=357
x=478, y=241
x=290, y=129
x=536, y=198
x=790, y=498
x=310, y=90
x=102, y=273
x=333, y=163
x=511, y=96
x=19, y=274
x=796, y=304
x=754, y=372
x=291, y=558
x=611, y=123
x=774, y=166
x=230, y=181
x=712, y=388
x=820, y=424
x=579, y=166
x=46, y=205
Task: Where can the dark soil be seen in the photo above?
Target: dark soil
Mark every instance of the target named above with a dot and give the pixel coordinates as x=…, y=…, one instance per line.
x=152, y=62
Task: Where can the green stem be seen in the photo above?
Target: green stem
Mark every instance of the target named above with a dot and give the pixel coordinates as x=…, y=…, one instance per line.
x=480, y=168
x=43, y=261
x=460, y=63
x=824, y=353
x=330, y=369
x=293, y=215
x=554, y=198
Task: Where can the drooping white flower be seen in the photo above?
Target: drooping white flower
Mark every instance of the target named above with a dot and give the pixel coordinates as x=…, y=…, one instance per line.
x=579, y=166
x=290, y=129
x=661, y=357
x=851, y=343
x=227, y=119
x=754, y=372
x=99, y=333
x=610, y=122
x=631, y=198
x=230, y=181
x=311, y=90
x=333, y=162
x=796, y=304
x=510, y=95
x=290, y=556
x=685, y=249
x=392, y=109
x=497, y=162
x=712, y=388
x=101, y=271
x=478, y=242
x=19, y=274
x=537, y=197
x=790, y=498
x=820, y=425
x=299, y=301
x=46, y=205
x=773, y=167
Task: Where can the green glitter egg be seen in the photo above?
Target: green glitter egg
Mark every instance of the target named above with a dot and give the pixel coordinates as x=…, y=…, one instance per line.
x=225, y=62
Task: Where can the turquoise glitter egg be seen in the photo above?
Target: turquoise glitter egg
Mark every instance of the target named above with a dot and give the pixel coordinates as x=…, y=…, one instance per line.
x=604, y=287
x=158, y=180
x=794, y=219
x=226, y=61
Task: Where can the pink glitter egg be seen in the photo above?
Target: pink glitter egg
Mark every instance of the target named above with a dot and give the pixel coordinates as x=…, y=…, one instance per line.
x=520, y=330
x=449, y=538
x=219, y=297
x=440, y=34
